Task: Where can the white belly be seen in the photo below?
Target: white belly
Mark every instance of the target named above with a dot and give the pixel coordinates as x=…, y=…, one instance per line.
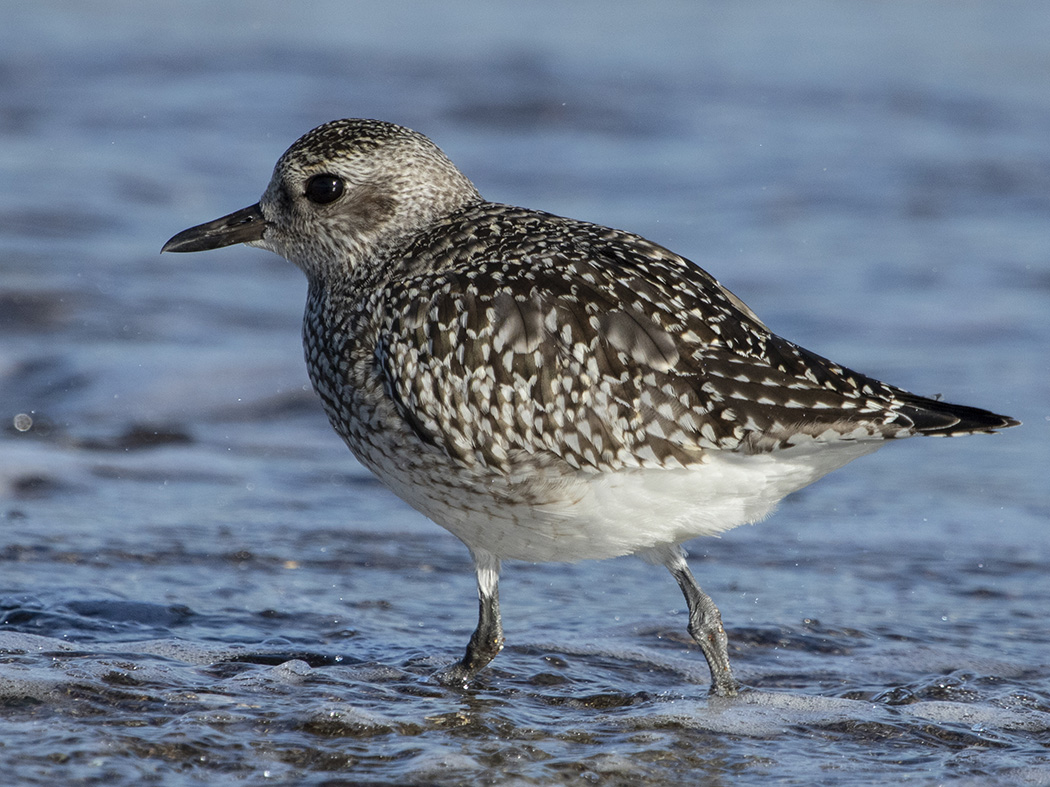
x=597, y=516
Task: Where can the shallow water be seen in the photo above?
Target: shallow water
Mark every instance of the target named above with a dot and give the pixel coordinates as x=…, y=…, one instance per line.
x=198, y=584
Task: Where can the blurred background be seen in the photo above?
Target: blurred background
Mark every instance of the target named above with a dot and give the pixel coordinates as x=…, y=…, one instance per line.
x=198, y=581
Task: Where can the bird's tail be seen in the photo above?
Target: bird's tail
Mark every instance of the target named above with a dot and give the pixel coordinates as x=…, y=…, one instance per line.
x=943, y=419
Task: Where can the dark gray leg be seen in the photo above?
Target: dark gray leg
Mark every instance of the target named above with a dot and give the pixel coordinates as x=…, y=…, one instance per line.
x=705, y=626
x=487, y=639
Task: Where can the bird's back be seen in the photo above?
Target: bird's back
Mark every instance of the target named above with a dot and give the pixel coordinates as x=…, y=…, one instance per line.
x=503, y=331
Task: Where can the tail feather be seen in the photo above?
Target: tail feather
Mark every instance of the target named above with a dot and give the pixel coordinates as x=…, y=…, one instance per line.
x=943, y=419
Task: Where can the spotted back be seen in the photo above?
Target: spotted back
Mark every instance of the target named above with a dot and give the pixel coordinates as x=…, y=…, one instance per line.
x=528, y=333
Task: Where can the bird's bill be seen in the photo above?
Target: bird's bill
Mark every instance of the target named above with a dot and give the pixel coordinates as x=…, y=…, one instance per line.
x=242, y=226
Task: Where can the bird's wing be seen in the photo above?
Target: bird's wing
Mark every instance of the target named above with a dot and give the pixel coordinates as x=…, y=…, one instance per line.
x=607, y=351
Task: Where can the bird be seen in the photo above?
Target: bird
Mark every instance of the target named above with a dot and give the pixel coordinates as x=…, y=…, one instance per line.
x=548, y=389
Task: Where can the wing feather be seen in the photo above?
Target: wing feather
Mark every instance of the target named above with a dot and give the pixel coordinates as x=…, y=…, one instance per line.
x=604, y=351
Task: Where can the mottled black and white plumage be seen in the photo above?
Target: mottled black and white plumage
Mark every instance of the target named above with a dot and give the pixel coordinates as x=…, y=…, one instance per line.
x=548, y=389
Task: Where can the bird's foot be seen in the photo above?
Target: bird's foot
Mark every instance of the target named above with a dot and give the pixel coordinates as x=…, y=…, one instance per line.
x=455, y=676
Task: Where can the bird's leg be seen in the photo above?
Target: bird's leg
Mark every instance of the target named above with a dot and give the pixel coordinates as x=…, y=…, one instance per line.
x=705, y=626
x=487, y=639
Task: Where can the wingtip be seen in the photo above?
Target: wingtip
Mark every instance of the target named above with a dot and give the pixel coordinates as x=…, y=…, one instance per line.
x=937, y=418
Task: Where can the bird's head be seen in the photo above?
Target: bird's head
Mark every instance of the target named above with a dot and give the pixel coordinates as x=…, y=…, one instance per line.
x=341, y=195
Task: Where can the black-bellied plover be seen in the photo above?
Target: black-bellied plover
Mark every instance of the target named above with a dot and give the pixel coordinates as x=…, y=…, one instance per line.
x=543, y=388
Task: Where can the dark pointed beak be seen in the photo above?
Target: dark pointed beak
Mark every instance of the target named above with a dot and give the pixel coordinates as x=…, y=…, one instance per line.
x=244, y=226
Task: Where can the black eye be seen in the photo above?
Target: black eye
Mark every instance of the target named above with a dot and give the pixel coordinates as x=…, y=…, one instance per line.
x=323, y=189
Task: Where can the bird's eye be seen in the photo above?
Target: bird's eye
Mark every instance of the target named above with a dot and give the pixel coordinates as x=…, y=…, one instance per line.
x=323, y=189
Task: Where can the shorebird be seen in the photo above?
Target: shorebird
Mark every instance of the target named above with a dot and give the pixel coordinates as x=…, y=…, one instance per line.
x=543, y=388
